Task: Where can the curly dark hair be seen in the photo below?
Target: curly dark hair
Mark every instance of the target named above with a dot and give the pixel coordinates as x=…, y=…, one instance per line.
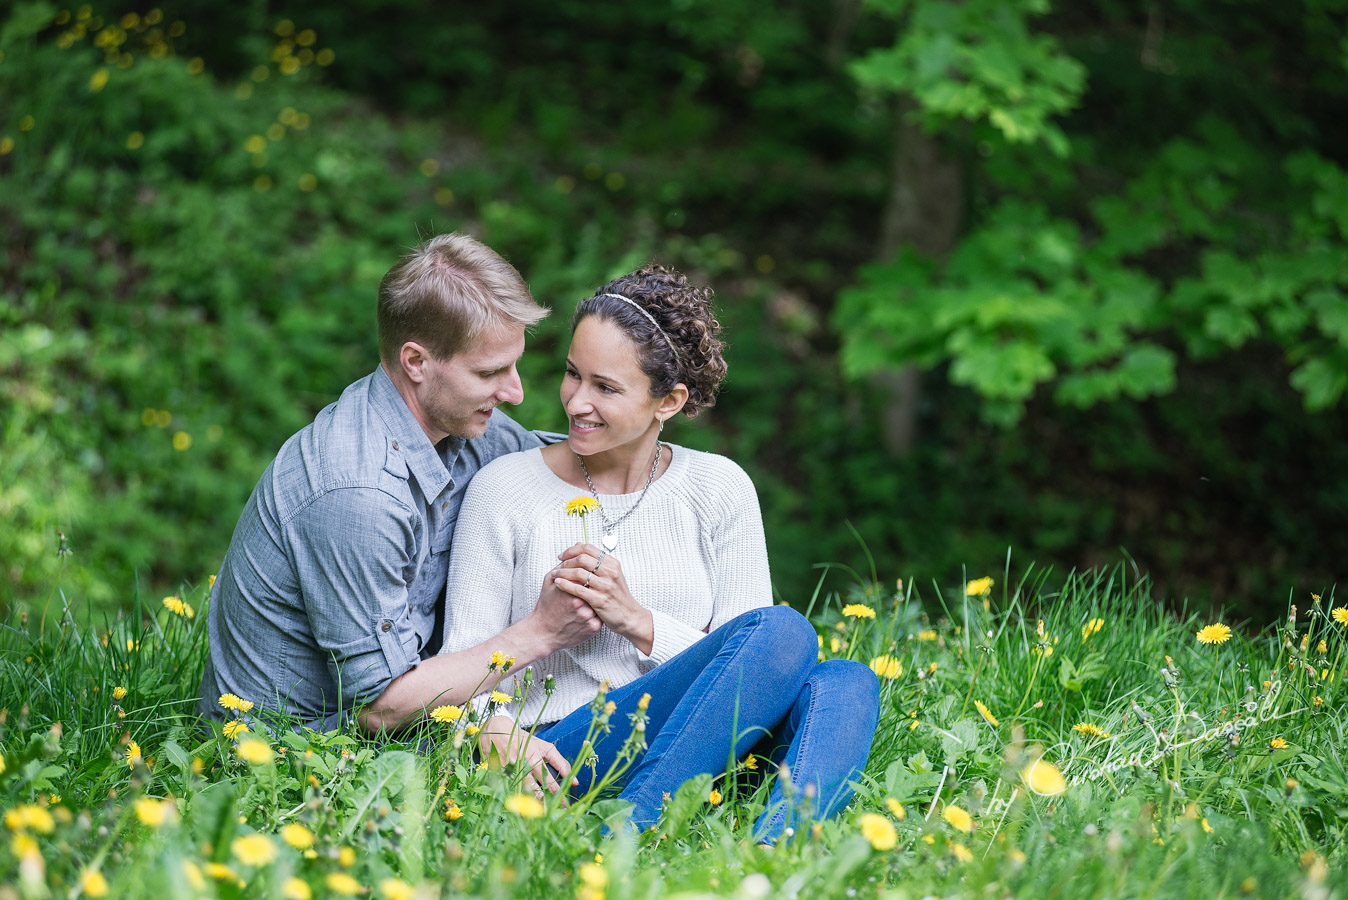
x=692, y=354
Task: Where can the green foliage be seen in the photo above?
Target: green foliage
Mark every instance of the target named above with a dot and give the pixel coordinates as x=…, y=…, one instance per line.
x=108, y=770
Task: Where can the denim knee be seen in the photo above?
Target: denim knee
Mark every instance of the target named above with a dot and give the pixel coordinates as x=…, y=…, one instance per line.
x=848, y=683
x=788, y=636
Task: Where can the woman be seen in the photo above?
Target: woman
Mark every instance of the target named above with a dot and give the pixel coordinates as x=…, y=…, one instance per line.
x=675, y=566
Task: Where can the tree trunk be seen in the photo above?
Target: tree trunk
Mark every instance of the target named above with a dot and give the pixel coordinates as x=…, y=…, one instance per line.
x=926, y=197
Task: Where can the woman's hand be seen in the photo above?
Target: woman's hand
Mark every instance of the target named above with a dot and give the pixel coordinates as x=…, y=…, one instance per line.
x=510, y=743
x=596, y=576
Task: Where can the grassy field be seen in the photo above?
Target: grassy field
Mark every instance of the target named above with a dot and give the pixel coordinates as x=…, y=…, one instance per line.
x=1040, y=736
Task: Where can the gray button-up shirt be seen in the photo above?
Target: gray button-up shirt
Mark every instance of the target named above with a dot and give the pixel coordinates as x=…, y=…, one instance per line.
x=330, y=585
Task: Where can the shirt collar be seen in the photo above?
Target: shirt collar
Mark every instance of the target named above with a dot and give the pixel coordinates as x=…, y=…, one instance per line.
x=406, y=437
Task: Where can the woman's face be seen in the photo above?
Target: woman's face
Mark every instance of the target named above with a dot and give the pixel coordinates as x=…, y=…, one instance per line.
x=606, y=396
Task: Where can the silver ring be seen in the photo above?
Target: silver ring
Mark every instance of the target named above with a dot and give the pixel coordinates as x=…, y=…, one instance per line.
x=587, y=579
x=600, y=561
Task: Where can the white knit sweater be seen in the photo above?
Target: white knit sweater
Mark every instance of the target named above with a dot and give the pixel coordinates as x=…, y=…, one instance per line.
x=693, y=553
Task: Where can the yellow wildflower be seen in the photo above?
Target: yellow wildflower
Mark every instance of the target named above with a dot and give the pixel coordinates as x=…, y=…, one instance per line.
x=93, y=884
x=234, y=728
x=30, y=817
x=1340, y=614
x=499, y=697
x=928, y=635
x=1091, y=628
x=987, y=715
x=526, y=806
x=236, y=703
x=193, y=875
x=886, y=667
x=133, y=755
x=296, y=889
x=593, y=876
x=1278, y=744
x=1090, y=730
x=1322, y=647
x=452, y=811
x=1044, y=778
x=253, y=751
x=447, y=714
x=1214, y=634
x=879, y=831
x=498, y=660
x=958, y=818
x=346, y=857
x=714, y=798
x=342, y=883
x=581, y=506
x=253, y=849
x=896, y=809
x=395, y=889
x=978, y=587
x=751, y=763
x=119, y=693
x=858, y=611
x=220, y=871
x=176, y=606
x=297, y=836
x=961, y=852
x=155, y=813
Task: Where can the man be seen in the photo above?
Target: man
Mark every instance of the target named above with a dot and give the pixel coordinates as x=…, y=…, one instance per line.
x=330, y=598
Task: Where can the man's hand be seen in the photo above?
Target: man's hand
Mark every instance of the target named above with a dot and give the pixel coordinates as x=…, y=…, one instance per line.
x=510, y=743
x=561, y=619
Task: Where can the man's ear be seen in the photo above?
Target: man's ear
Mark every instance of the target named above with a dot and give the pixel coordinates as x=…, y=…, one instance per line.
x=673, y=402
x=412, y=359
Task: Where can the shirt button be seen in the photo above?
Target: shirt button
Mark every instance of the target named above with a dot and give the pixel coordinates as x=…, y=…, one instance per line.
x=387, y=626
x=445, y=505
x=395, y=445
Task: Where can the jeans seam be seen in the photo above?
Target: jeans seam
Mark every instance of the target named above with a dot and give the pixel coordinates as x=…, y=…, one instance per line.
x=804, y=735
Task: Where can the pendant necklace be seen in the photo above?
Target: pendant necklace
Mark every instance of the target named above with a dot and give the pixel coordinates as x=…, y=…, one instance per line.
x=610, y=540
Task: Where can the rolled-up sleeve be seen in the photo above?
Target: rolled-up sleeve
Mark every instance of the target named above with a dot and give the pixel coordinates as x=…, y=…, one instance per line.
x=354, y=550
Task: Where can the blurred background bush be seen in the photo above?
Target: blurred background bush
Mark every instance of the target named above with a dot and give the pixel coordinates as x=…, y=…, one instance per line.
x=1067, y=280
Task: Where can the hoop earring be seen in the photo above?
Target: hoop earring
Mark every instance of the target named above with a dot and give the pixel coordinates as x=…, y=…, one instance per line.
x=662, y=426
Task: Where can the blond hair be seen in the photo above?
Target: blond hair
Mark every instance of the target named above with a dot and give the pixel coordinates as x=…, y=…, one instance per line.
x=446, y=294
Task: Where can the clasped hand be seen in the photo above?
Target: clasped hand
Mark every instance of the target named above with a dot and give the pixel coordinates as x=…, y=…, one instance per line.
x=596, y=577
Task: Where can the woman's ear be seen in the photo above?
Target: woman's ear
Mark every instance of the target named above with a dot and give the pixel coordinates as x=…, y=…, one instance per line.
x=672, y=402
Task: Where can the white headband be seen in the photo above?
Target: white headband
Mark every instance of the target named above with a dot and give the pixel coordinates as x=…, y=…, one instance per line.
x=641, y=309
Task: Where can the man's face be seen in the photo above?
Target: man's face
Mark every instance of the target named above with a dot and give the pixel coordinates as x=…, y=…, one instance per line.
x=457, y=395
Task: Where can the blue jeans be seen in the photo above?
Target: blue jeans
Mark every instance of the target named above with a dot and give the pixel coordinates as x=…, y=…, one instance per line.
x=754, y=684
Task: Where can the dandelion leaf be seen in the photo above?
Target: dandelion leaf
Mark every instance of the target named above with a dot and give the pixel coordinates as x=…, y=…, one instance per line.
x=959, y=741
x=392, y=774
x=687, y=800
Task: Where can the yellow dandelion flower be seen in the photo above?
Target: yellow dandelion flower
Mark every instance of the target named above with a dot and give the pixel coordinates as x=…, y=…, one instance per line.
x=472, y=730
x=987, y=715
x=395, y=889
x=928, y=635
x=1322, y=647
x=133, y=754
x=928, y=838
x=155, y=813
x=235, y=702
x=30, y=817
x=176, y=606
x=346, y=857
x=886, y=667
x=499, y=697
x=119, y=693
x=958, y=818
x=447, y=714
x=835, y=644
x=1216, y=633
x=1278, y=744
x=219, y=871
x=1044, y=778
x=1090, y=730
x=714, y=798
x=498, y=660
x=342, y=883
x=751, y=763
x=452, y=811
x=593, y=876
x=93, y=884
x=296, y=889
x=896, y=809
x=297, y=836
x=879, y=831
x=858, y=611
x=1206, y=827
x=526, y=806
x=253, y=850
x=1091, y=628
x=581, y=506
x=233, y=728
x=254, y=752
x=961, y=852
x=1340, y=614
x=978, y=587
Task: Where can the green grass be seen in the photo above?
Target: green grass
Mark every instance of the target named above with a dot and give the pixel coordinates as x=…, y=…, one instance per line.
x=1165, y=805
